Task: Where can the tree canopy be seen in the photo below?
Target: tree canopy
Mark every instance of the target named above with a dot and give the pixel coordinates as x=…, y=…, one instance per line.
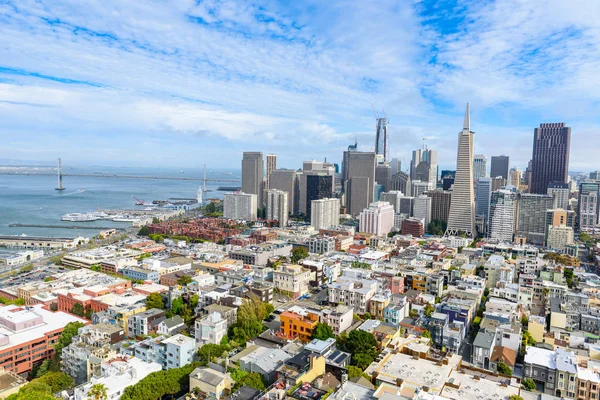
x=249, y=320
x=154, y=300
x=298, y=254
x=174, y=381
x=184, y=280
x=361, y=344
x=322, y=331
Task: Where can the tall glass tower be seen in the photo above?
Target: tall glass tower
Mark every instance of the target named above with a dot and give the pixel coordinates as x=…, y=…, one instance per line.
x=381, y=138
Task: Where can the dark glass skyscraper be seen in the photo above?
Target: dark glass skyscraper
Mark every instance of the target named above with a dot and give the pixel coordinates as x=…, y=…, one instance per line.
x=550, y=161
x=381, y=137
x=500, y=167
x=317, y=187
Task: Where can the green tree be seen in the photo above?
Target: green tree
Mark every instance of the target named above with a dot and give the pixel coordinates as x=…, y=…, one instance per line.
x=426, y=334
x=429, y=309
x=361, y=344
x=528, y=384
x=504, y=369
x=98, y=392
x=524, y=321
x=144, y=231
x=78, y=310
x=66, y=337
x=355, y=372
x=88, y=314
x=298, y=254
x=514, y=397
x=184, y=280
x=155, y=300
x=210, y=351
x=322, y=331
x=254, y=380
x=269, y=308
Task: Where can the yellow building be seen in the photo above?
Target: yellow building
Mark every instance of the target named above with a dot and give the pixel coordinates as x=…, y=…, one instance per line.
x=419, y=282
x=122, y=314
x=303, y=367
x=537, y=327
x=377, y=304
x=212, y=383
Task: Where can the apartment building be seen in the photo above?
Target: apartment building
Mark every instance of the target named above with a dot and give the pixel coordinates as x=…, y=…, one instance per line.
x=291, y=279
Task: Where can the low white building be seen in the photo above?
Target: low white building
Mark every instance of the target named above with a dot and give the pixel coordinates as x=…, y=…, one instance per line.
x=116, y=375
x=320, y=244
x=210, y=329
x=353, y=289
x=180, y=350
x=339, y=318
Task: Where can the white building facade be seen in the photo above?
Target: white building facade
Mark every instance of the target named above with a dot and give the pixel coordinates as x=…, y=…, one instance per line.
x=378, y=219
x=242, y=206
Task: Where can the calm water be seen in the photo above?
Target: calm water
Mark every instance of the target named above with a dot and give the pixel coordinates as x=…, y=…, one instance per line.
x=33, y=200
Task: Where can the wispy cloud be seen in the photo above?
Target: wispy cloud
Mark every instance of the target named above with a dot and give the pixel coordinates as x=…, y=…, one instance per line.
x=215, y=77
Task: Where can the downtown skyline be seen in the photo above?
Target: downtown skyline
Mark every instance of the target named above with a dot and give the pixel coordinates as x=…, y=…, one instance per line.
x=183, y=84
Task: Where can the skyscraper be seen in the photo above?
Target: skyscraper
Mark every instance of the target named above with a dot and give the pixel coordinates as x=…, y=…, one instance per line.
x=317, y=187
x=514, y=178
x=440, y=204
x=383, y=176
x=482, y=201
x=253, y=175
x=284, y=180
x=423, y=166
x=395, y=165
x=381, y=138
x=502, y=215
x=359, y=181
x=277, y=206
x=500, y=166
x=325, y=213
x=462, y=205
x=271, y=166
x=588, y=206
x=479, y=166
x=401, y=182
x=531, y=216
x=550, y=161
x=422, y=209
x=313, y=168
x=393, y=197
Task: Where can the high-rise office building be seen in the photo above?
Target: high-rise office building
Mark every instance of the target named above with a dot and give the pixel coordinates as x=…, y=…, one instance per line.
x=381, y=138
x=588, y=206
x=479, y=166
x=383, y=176
x=498, y=183
x=271, y=166
x=502, y=215
x=377, y=219
x=550, y=161
x=420, y=187
x=559, y=237
x=514, y=177
x=393, y=197
x=325, y=213
x=317, y=187
x=595, y=175
x=462, y=206
x=440, y=204
x=531, y=216
x=277, y=206
x=313, y=168
x=423, y=166
x=253, y=175
x=359, y=181
x=396, y=165
x=482, y=198
x=284, y=180
x=500, y=166
x=422, y=209
x=561, y=193
x=240, y=206
x=401, y=182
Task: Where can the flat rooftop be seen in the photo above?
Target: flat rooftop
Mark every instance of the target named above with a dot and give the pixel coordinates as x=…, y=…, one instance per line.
x=479, y=389
x=51, y=321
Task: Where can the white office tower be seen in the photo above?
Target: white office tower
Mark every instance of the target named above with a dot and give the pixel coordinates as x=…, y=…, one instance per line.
x=479, y=166
x=393, y=197
x=325, y=213
x=199, y=195
x=422, y=209
x=378, y=219
x=420, y=187
x=423, y=166
x=271, y=166
x=240, y=206
x=503, y=207
x=277, y=206
x=462, y=205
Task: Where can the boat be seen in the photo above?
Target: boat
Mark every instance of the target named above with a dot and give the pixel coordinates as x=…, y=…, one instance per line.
x=83, y=217
x=125, y=218
x=81, y=190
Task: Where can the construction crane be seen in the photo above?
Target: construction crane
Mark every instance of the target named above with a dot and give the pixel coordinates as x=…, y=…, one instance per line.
x=139, y=202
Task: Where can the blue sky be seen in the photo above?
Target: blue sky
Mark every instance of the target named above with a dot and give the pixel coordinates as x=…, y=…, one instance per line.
x=182, y=83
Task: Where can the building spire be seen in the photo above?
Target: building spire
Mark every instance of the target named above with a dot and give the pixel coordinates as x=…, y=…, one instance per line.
x=467, y=123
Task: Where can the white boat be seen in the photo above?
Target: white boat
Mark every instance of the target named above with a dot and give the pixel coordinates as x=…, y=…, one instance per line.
x=83, y=217
x=125, y=218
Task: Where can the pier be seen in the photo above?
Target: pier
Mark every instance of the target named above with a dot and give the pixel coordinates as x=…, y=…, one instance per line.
x=101, y=228
x=118, y=176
